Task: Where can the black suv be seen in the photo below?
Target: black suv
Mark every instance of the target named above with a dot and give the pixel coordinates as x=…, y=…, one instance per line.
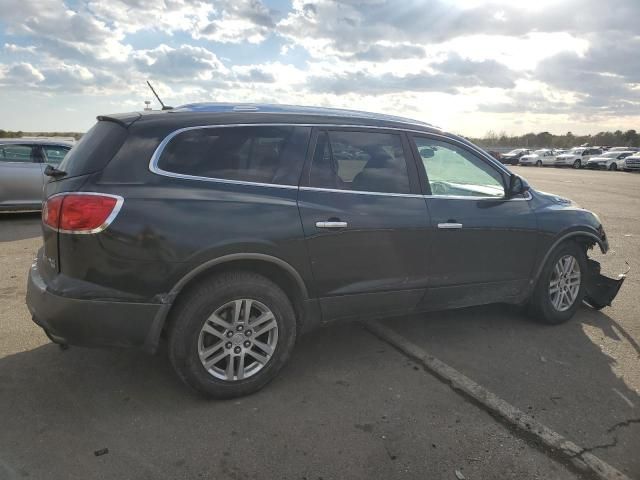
x=230, y=230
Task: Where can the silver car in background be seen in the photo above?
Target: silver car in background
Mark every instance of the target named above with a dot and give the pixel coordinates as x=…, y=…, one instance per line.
x=22, y=164
x=544, y=156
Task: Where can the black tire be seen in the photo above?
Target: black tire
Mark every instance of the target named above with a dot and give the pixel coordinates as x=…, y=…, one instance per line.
x=577, y=164
x=539, y=163
x=613, y=167
x=541, y=307
x=197, y=305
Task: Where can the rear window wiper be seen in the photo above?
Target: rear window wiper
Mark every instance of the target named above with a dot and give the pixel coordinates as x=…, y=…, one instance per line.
x=51, y=171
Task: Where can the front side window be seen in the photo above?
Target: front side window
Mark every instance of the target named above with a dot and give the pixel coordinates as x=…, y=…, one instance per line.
x=269, y=154
x=54, y=154
x=16, y=153
x=360, y=161
x=453, y=171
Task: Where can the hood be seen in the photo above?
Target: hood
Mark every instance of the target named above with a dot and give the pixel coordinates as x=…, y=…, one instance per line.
x=556, y=199
x=600, y=159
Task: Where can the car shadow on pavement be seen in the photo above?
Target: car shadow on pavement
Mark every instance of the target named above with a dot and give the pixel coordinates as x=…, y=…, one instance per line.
x=16, y=226
x=347, y=406
x=579, y=378
x=81, y=400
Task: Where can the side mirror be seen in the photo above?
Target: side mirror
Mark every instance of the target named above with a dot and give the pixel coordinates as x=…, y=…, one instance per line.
x=517, y=186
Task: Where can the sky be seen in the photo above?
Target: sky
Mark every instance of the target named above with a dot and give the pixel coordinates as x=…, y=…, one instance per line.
x=468, y=66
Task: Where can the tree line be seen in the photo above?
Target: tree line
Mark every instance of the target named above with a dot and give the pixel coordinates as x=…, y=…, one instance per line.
x=20, y=134
x=630, y=138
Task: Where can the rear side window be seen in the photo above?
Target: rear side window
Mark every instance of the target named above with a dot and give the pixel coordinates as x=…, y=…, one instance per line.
x=95, y=149
x=269, y=154
x=16, y=153
x=361, y=161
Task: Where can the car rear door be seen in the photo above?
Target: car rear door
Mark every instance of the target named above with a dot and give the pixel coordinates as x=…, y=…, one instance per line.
x=483, y=246
x=20, y=176
x=365, y=223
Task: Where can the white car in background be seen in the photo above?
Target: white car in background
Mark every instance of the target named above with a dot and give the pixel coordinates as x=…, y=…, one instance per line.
x=539, y=158
x=609, y=160
x=577, y=157
x=632, y=163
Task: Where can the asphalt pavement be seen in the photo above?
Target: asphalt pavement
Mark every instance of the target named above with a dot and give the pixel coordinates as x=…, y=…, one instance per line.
x=348, y=405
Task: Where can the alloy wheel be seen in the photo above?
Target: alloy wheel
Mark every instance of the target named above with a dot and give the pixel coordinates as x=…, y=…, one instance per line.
x=238, y=340
x=564, y=285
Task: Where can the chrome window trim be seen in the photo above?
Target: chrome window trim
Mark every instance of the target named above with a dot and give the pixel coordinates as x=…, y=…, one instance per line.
x=105, y=224
x=155, y=157
x=526, y=197
x=362, y=192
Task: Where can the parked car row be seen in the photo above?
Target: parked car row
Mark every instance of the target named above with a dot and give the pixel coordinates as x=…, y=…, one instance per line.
x=602, y=158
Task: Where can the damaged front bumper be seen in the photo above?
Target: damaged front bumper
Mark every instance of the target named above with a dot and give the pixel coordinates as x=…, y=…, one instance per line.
x=601, y=290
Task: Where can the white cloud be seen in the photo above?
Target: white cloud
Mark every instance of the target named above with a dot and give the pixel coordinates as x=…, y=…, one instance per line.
x=21, y=73
x=184, y=62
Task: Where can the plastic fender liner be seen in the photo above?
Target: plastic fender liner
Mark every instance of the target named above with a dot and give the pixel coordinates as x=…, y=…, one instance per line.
x=601, y=290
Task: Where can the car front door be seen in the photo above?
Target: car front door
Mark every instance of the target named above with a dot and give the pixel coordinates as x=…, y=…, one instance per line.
x=365, y=222
x=20, y=176
x=483, y=245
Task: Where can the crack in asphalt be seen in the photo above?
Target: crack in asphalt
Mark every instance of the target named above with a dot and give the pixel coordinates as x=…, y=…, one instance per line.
x=613, y=428
x=624, y=423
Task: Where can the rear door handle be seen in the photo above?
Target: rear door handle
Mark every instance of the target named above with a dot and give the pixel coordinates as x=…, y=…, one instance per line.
x=449, y=225
x=331, y=224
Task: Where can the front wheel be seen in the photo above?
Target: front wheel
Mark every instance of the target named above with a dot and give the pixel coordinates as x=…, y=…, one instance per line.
x=560, y=288
x=231, y=335
x=539, y=163
x=577, y=164
x=613, y=167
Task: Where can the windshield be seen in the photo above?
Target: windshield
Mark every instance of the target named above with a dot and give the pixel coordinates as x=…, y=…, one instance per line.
x=540, y=152
x=576, y=151
x=610, y=155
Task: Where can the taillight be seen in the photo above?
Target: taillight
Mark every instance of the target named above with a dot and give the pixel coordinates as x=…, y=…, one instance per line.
x=81, y=212
x=51, y=211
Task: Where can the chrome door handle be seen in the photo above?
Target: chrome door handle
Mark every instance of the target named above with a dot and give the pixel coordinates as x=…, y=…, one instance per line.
x=331, y=224
x=449, y=225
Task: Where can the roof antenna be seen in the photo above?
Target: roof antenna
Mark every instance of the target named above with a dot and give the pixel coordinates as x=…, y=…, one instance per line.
x=164, y=107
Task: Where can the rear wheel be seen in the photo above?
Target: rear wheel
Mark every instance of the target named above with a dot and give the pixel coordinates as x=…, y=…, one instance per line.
x=231, y=335
x=560, y=287
x=539, y=163
x=577, y=164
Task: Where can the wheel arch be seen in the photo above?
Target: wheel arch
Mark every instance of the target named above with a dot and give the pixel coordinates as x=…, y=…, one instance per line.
x=275, y=269
x=583, y=237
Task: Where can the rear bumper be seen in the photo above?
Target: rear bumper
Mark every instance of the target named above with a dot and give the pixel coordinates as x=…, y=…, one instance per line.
x=88, y=322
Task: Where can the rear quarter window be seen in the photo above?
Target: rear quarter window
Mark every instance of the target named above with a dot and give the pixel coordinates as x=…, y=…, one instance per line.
x=261, y=154
x=95, y=149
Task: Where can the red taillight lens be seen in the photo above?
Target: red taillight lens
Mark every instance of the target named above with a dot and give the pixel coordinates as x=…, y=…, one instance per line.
x=51, y=211
x=81, y=212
